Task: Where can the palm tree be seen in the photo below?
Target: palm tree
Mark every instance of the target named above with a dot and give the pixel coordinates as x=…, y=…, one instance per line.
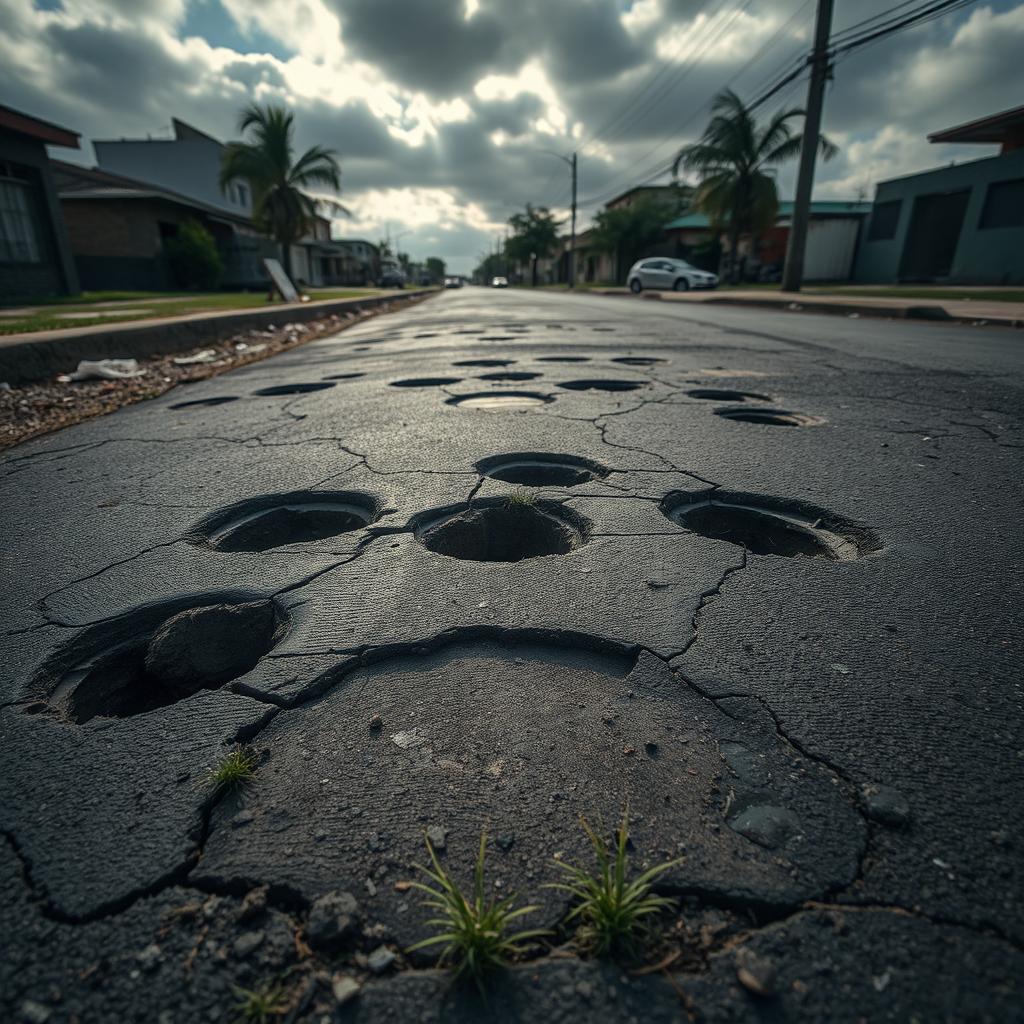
x=281, y=207
x=734, y=158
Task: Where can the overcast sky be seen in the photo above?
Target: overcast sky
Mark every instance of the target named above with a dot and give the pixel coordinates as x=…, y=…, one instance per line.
x=442, y=110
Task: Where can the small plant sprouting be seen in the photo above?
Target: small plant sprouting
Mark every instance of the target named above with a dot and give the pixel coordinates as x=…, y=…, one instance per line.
x=234, y=770
x=522, y=497
x=472, y=930
x=612, y=911
x=263, y=1004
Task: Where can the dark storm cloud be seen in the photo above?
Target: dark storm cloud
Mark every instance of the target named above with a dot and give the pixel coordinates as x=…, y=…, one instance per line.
x=512, y=116
x=425, y=45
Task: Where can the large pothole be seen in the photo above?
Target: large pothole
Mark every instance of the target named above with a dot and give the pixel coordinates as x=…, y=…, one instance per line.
x=638, y=360
x=500, y=530
x=215, y=400
x=770, y=417
x=771, y=526
x=484, y=362
x=509, y=375
x=498, y=401
x=725, y=395
x=293, y=389
x=272, y=521
x=600, y=385
x=200, y=648
x=425, y=382
x=541, y=469
x=563, y=359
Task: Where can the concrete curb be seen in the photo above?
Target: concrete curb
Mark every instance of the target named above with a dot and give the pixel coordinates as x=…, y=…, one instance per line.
x=29, y=357
x=935, y=313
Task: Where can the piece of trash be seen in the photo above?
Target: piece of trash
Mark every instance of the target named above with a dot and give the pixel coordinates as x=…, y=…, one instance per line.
x=104, y=369
x=413, y=738
x=838, y=666
x=208, y=355
x=881, y=981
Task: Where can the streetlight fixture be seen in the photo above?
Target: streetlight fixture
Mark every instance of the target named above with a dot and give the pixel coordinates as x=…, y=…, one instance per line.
x=571, y=161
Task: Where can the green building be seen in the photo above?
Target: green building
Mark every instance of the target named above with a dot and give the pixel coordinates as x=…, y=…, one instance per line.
x=962, y=224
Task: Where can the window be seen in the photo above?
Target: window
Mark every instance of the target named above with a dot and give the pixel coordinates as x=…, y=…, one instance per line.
x=1004, y=205
x=19, y=238
x=884, y=219
x=242, y=195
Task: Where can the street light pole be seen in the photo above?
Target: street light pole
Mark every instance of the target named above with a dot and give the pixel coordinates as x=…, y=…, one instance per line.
x=572, y=237
x=793, y=273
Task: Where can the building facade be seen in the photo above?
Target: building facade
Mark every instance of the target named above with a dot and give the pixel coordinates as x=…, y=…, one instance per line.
x=35, y=256
x=962, y=224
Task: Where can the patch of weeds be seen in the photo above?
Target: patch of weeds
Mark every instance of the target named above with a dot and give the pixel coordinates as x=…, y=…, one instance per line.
x=611, y=910
x=234, y=771
x=261, y=1005
x=522, y=497
x=473, y=930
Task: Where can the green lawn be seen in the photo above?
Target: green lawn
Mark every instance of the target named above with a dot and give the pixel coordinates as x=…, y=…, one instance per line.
x=49, y=316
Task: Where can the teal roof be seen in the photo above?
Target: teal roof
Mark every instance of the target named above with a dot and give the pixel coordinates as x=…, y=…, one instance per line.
x=822, y=208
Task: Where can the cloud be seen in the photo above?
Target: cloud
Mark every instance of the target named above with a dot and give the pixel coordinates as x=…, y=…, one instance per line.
x=445, y=112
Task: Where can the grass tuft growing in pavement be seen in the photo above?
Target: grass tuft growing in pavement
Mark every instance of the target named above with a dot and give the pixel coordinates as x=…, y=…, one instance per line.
x=611, y=910
x=261, y=1005
x=235, y=770
x=522, y=497
x=473, y=929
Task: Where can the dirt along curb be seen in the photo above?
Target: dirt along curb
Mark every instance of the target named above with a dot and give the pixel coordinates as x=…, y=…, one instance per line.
x=38, y=407
x=31, y=357
x=849, y=309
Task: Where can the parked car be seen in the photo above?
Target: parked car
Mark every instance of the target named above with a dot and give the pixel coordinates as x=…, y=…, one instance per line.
x=665, y=274
x=499, y=282
x=453, y=282
x=391, y=274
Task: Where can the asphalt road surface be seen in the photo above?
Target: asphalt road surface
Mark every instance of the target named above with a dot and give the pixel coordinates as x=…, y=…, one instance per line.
x=759, y=576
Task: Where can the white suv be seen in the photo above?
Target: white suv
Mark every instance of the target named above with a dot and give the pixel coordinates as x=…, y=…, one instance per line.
x=666, y=274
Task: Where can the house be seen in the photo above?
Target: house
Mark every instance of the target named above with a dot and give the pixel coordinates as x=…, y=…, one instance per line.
x=360, y=261
x=118, y=227
x=188, y=165
x=35, y=256
x=833, y=235
x=671, y=196
x=962, y=224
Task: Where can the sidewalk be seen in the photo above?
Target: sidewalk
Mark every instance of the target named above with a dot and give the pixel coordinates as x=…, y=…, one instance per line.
x=40, y=354
x=1006, y=314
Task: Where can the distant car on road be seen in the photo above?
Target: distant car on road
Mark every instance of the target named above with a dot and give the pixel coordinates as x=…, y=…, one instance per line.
x=453, y=282
x=664, y=274
x=499, y=282
x=391, y=274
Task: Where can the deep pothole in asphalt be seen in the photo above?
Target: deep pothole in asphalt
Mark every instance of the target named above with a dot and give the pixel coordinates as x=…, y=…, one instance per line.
x=638, y=360
x=216, y=400
x=771, y=526
x=344, y=376
x=499, y=530
x=601, y=385
x=201, y=648
x=770, y=417
x=293, y=389
x=498, y=401
x=541, y=469
x=273, y=521
x=484, y=362
x=497, y=337
x=725, y=395
x=425, y=382
x=563, y=359
x=510, y=375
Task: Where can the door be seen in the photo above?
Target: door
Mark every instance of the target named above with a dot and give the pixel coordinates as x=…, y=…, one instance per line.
x=932, y=237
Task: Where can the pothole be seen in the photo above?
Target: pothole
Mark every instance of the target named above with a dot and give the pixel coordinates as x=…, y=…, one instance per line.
x=272, y=521
x=600, y=385
x=497, y=337
x=770, y=417
x=638, y=360
x=771, y=526
x=541, y=469
x=724, y=395
x=509, y=375
x=344, y=376
x=200, y=648
x=293, y=389
x=426, y=334
x=217, y=400
x=425, y=382
x=484, y=362
x=563, y=359
x=499, y=400
x=503, y=531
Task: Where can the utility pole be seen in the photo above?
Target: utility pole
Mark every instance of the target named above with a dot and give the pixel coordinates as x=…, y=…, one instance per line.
x=792, y=275
x=572, y=236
